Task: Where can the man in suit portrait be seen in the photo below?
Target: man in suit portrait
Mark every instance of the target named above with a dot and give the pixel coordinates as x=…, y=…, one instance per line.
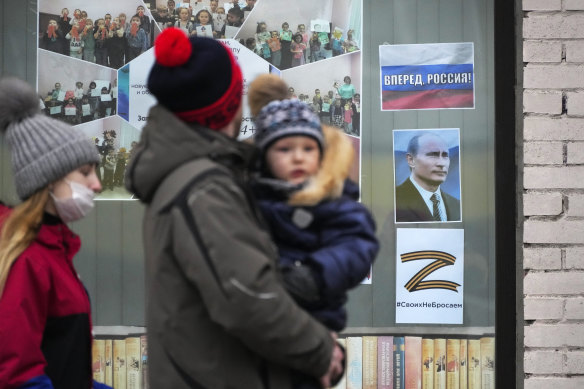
x=419, y=198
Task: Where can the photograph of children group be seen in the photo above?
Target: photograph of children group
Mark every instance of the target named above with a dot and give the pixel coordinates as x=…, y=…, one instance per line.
x=116, y=142
x=105, y=32
x=332, y=89
x=289, y=34
x=208, y=18
x=75, y=94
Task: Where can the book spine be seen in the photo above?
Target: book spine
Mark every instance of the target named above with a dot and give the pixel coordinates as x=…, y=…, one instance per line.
x=144, y=361
x=98, y=360
x=133, y=369
x=439, y=363
x=109, y=376
x=343, y=382
x=385, y=362
x=463, y=364
x=398, y=362
x=474, y=364
x=413, y=362
x=427, y=363
x=369, y=362
x=354, y=362
x=488, y=362
x=119, y=359
x=453, y=364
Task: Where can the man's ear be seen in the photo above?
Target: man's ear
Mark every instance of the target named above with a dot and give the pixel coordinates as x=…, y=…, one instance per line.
x=410, y=160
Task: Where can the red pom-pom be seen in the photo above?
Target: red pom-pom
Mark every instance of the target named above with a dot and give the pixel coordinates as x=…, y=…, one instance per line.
x=172, y=47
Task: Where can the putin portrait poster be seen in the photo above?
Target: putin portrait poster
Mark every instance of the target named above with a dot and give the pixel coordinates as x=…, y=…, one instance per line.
x=427, y=76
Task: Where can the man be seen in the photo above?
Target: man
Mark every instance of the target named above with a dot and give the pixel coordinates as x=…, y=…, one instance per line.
x=419, y=198
x=217, y=317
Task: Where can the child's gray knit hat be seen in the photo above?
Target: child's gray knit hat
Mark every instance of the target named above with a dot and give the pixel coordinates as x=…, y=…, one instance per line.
x=282, y=118
x=43, y=149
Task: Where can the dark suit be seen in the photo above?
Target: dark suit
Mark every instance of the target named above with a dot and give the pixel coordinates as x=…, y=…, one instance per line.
x=410, y=206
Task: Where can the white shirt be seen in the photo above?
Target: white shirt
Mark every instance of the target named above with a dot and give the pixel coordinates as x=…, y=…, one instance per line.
x=426, y=196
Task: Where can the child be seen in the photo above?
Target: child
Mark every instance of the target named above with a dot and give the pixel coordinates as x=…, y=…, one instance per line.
x=136, y=39
x=325, y=237
x=116, y=44
x=114, y=93
x=108, y=170
x=286, y=41
x=262, y=36
x=356, y=105
x=203, y=24
x=297, y=49
x=234, y=19
x=70, y=111
x=250, y=43
x=337, y=115
x=325, y=110
x=85, y=111
x=337, y=42
x=120, y=167
x=88, y=41
x=219, y=19
x=144, y=19
x=53, y=38
x=78, y=92
x=276, y=48
x=75, y=42
x=100, y=34
x=302, y=31
x=104, y=104
x=315, y=51
x=65, y=22
x=350, y=44
x=348, y=118
x=184, y=21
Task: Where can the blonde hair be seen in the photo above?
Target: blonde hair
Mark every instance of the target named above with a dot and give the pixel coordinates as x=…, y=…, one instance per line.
x=19, y=229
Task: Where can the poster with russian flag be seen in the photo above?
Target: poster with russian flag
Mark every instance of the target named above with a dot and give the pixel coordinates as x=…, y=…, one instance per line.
x=427, y=76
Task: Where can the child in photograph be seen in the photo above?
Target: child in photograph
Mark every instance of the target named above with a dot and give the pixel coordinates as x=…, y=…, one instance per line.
x=337, y=43
x=316, y=105
x=184, y=21
x=53, y=38
x=120, y=167
x=64, y=24
x=162, y=17
x=286, y=41
x=297, y=49
x=350, y=44
x=348, y=118
x=108, y=170
x=76, y=17
x=213, y=5
x=315, y=48
x=116, y=44
x=337, y=114
x=219, y=20
x=325, y=110
x=356, y=105
x=93, y=98
x=123, y=21
x=250, y=43
x=144, y=19
x=114, y=93
x=326, y=239
x=305, y=38
x=204, y=23
x=249, y=6
x=78, y=92
x=104, y=106
x=234, y=19
x=76, y=44
x=101, y=35
x=85, y=110
x=88, y=41
x=136, y=39
x=275, y=48
x=262, y=36
x=57, y=92
x=70, y=111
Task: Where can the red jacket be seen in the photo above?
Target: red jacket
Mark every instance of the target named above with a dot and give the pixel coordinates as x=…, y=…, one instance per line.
x=45, y=316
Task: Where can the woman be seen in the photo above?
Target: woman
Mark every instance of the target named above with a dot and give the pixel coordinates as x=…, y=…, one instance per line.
x=45, y=325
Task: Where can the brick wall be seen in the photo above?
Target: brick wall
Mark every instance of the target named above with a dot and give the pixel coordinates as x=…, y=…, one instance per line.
x=553, y=193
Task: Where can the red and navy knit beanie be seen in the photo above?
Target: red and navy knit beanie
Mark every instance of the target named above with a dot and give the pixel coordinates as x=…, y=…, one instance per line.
x=198, y=79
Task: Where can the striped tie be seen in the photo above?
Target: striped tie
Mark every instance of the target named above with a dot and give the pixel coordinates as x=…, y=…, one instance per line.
x=436, y=212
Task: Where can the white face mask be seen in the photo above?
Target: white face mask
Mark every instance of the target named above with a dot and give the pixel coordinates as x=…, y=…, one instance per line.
x=78, y=205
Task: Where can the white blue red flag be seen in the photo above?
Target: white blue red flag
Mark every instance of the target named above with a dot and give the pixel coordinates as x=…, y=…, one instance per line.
x=427, y=76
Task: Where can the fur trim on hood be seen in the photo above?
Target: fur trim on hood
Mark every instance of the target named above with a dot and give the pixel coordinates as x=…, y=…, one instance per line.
x=330, y=179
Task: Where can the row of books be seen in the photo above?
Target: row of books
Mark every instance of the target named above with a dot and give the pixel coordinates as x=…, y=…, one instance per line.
x=121, y=363
x=414, y=362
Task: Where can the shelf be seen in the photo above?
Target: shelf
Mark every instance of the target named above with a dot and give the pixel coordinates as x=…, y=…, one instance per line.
x=421, y=330
x=117, y=330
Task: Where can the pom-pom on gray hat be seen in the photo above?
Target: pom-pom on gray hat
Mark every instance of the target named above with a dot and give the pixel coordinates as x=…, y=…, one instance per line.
x=43, y=149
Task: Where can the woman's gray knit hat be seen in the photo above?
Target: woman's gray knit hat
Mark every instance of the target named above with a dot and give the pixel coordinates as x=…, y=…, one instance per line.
x=43, y=149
